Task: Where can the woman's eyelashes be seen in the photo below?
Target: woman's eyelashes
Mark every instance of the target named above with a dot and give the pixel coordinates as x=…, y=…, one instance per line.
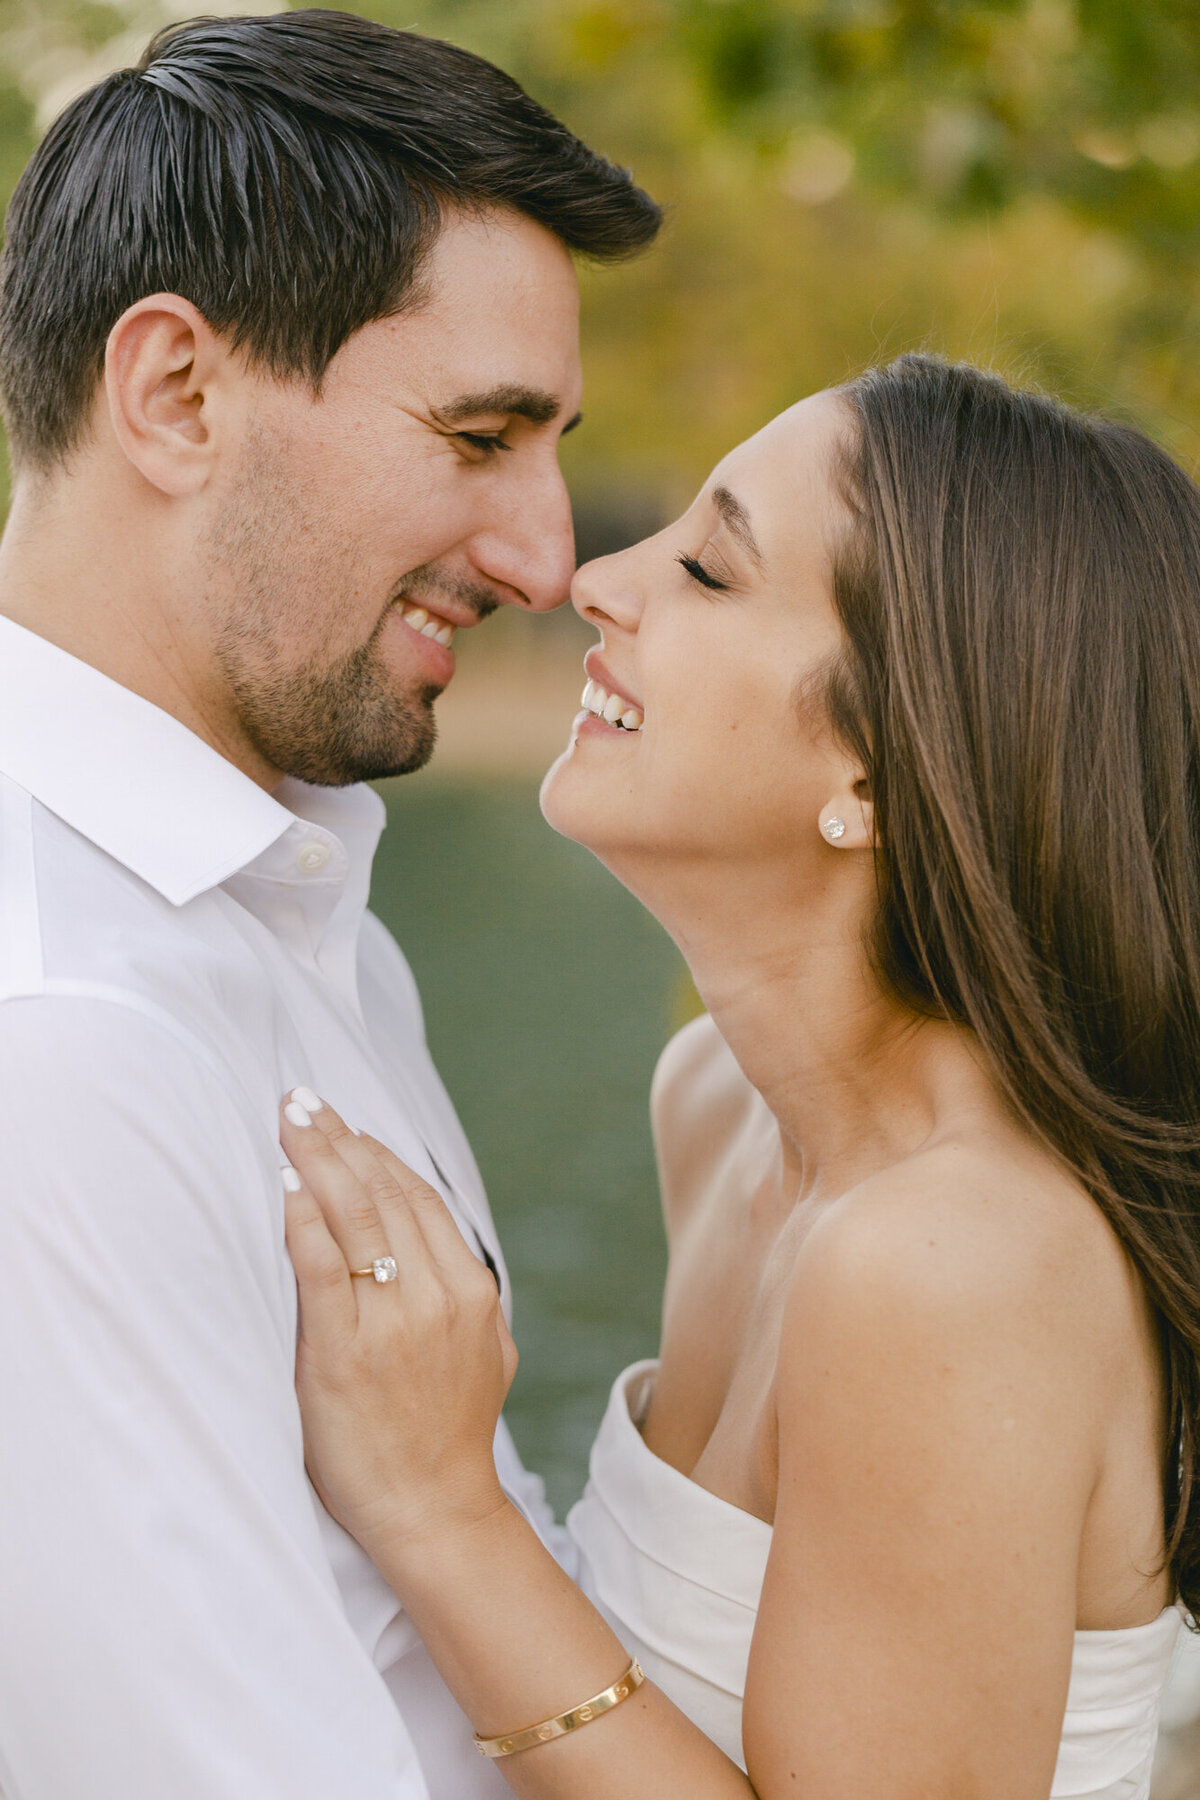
x=699, y=573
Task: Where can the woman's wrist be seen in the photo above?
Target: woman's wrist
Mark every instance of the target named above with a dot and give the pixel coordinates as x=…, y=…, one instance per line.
x=408, y=1531
x=465, y=1585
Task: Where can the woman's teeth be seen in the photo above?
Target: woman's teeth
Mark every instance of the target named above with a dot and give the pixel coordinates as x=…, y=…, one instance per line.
x=438, y=629
x=611, y=707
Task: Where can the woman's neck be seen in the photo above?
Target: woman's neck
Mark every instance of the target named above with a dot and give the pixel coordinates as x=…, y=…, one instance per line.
x=855, y=1079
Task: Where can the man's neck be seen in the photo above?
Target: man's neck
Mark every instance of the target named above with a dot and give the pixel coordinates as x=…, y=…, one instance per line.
x=80, y=572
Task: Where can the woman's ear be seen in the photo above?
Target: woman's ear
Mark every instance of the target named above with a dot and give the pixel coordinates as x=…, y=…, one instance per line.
x=847, y=820
x=160, y=363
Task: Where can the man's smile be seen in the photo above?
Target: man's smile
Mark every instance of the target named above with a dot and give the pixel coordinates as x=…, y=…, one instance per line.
x=425, y=623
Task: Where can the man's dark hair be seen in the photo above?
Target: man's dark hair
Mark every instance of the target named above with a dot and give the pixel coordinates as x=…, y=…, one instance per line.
x=285, y=174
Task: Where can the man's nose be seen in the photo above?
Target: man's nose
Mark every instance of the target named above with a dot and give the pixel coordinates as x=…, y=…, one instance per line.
x=530, y=546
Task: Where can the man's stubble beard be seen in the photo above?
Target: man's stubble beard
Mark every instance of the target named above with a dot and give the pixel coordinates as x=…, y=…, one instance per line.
x=329, y=723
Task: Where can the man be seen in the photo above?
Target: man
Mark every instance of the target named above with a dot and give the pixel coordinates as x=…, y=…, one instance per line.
x=287, y=341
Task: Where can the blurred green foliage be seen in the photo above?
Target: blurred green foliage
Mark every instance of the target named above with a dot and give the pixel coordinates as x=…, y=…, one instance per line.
x=1018, y=182
x=1015, y=182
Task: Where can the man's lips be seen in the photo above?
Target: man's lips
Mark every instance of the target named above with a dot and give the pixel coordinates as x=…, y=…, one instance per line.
x=425, y=642
x=427, y=623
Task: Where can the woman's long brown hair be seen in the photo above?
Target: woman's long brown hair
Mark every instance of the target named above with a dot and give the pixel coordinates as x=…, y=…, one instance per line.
x=1020, y=593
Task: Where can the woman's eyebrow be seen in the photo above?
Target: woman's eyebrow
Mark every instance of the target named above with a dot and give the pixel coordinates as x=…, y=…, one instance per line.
x=737, y=521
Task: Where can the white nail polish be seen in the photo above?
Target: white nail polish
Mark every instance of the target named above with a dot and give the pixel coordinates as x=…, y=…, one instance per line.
x=291, y=1180
x=296, y=1114
x=305, y=1097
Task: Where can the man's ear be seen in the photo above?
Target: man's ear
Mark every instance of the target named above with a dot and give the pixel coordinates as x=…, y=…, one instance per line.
x=160, y=365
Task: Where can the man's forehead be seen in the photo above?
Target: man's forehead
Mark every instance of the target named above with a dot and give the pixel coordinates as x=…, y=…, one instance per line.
x=502, y=300
x=497, y=257
x=493, y=328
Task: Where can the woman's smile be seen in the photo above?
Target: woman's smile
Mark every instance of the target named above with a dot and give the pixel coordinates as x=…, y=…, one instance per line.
x=706, y=630
x=606, y=699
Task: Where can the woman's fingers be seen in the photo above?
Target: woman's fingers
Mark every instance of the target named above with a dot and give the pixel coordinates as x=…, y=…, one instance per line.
x=375, y=1206
x=327, y=1303
x=372, y=1372
x=342, y=1173
x=400, y=1191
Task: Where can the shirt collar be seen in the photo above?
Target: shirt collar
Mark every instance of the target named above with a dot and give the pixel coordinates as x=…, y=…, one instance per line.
x=136, y=782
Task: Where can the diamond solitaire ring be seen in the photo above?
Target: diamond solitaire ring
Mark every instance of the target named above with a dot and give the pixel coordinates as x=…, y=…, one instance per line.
x=382, y=1269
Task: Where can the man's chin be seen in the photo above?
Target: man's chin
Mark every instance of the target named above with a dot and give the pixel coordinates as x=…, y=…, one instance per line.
x=337, y=726
x=339, y=758
x=416, y=757
x=343, y=765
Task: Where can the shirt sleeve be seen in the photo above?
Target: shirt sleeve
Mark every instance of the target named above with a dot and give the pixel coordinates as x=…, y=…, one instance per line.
x=171, y=1625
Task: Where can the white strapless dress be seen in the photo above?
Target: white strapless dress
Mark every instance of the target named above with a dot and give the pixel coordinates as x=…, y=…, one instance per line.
x=678, y=1573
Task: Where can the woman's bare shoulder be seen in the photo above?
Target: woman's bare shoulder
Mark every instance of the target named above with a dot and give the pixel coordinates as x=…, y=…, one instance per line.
x=979, y=1248
x=700, y=1105
x=940, y=1417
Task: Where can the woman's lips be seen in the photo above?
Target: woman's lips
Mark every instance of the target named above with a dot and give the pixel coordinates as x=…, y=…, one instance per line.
x=607, y=699
x=595, y=666
x=614, y=709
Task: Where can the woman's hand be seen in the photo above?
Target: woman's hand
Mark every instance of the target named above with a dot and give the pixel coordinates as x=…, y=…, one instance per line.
x=401, y=1382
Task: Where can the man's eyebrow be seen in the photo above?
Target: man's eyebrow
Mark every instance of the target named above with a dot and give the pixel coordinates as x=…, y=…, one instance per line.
x=736, y=520
x=516, y=402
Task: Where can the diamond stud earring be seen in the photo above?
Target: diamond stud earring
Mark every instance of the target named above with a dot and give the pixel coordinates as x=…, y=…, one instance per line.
x=834, y=828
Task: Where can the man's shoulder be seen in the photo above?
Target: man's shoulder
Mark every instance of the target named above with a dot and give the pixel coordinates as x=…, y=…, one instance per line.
x=76, y=1035
x=97, y=1085
x=97, y=968
x=74, y=914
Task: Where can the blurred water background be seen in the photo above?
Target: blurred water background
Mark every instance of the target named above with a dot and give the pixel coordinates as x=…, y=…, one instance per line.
x=547, y=996
x=1015, y=182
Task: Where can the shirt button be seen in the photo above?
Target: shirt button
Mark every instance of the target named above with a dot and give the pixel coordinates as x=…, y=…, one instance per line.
x=313, y=857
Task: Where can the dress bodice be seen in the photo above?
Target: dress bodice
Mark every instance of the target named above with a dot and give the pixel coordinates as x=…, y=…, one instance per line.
x=678, y=1573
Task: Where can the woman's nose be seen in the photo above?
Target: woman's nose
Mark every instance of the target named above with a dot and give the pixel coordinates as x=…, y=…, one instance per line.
x=603, y=591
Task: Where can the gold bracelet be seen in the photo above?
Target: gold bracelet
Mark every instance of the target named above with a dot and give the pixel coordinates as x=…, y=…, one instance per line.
x=559, y=1726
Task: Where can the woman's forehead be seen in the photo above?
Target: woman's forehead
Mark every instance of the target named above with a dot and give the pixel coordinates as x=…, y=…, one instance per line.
x=783, y=476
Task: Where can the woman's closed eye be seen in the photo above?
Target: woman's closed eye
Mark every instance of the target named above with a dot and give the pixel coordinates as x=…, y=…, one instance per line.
x=699, y=573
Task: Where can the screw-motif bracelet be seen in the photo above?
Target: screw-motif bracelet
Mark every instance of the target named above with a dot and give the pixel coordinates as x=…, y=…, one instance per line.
x=562, y=1723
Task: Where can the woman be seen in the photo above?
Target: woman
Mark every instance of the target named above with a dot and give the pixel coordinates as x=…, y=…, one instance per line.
x=897, y=732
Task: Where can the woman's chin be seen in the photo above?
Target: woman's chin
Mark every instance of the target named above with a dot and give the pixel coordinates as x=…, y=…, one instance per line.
x=564, y=809
x=578, y=802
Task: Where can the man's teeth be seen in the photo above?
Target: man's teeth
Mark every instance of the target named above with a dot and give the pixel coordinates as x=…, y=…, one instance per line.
x=438, y=629
x=611, y=707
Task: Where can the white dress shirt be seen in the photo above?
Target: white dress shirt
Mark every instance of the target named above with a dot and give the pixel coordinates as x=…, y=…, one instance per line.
x=179, y=1617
